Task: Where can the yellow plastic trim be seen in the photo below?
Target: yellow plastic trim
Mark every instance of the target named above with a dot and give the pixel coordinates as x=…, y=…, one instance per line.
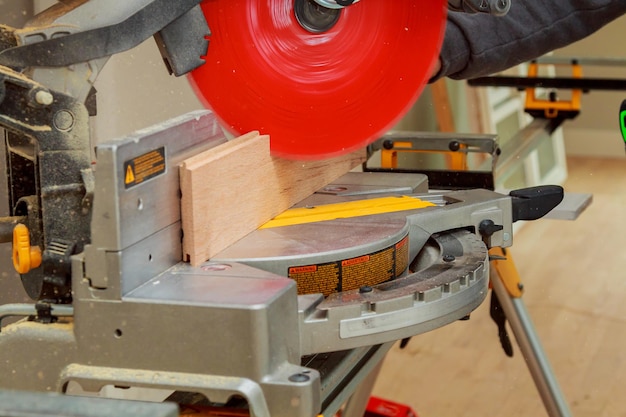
x=346, y=210
x=507, y=272
x=25, y=257
x=389, y=157
x=552, y=108
x=456, y=160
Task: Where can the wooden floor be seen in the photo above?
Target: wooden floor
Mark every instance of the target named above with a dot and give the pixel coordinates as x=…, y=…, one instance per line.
x=575, y=279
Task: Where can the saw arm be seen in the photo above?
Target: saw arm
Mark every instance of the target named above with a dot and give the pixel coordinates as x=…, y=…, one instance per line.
x=76, y=32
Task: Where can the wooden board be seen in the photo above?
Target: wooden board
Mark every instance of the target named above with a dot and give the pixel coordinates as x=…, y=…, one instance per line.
x=231, y=190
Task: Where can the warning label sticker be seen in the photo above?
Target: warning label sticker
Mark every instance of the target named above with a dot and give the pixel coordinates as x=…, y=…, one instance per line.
x=144, y=167
x=353, y=273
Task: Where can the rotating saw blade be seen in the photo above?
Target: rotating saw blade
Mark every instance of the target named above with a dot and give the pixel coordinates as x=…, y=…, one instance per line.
x=321, y=82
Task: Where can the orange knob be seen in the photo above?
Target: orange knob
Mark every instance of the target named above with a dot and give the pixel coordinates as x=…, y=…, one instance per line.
x=25, y=257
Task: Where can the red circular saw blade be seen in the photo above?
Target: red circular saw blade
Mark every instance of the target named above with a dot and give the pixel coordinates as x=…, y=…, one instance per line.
x=317, y=95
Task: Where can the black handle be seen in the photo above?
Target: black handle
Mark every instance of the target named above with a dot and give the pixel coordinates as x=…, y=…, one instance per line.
x=535, y=202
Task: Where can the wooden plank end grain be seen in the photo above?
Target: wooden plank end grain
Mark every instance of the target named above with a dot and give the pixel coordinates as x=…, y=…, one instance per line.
x=231, y=190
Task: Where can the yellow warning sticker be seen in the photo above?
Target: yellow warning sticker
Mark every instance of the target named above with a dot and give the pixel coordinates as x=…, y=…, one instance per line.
x=349, y=274
x=130, y=175
x=144, y=167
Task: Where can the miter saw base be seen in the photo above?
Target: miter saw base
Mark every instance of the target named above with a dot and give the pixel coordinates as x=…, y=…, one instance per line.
x=236, y=326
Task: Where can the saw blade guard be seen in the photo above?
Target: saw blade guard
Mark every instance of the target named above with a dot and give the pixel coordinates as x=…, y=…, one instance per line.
x=321, y=82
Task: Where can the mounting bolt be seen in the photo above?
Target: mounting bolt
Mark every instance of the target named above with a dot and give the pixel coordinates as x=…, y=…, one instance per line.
x=64, y=120
x=365, y=289
x=44, y=98
x=454, y=146
x=388, y=144
x=299, y=378
x=448, y=258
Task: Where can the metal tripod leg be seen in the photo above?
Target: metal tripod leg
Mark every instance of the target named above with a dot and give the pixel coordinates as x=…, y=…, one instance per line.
x=357, y=404
x=526, y=336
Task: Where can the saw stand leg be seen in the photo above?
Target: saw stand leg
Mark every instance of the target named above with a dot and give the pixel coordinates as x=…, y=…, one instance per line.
x=508, y=289
x=357, y=404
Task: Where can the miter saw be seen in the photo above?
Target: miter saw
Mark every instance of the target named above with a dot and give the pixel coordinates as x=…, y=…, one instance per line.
x=289, y=319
